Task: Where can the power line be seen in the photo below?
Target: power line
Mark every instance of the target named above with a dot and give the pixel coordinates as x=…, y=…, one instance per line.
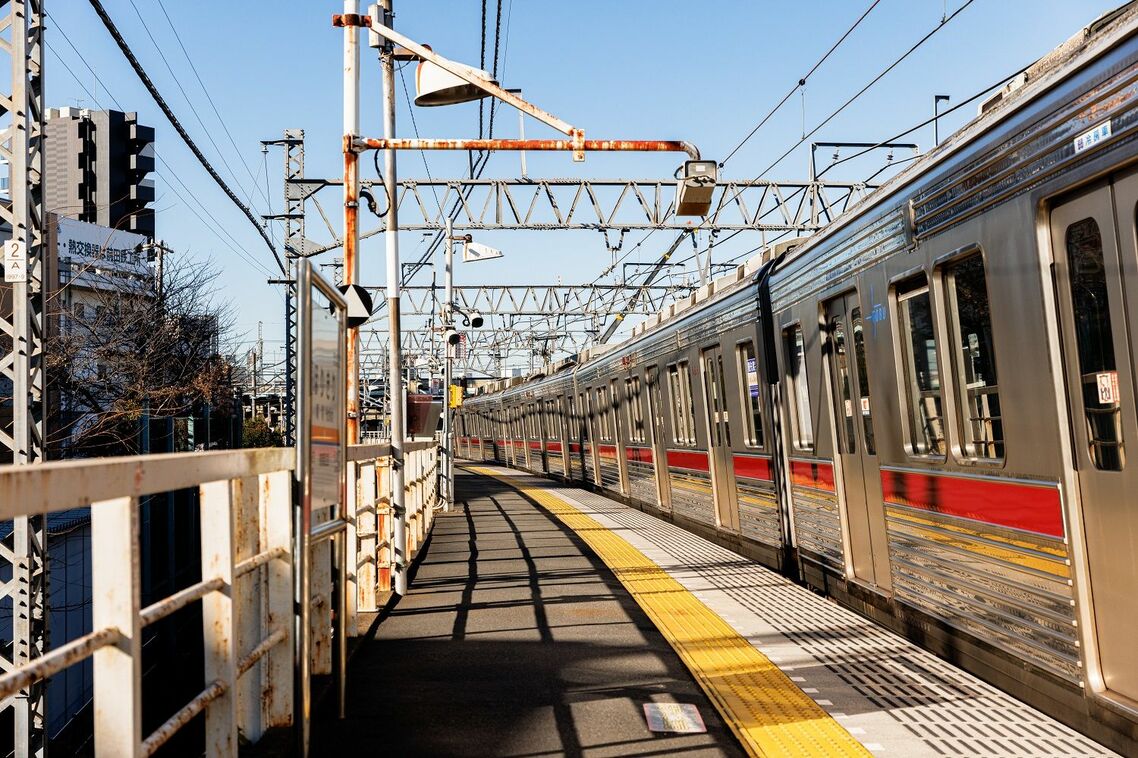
x=146, y=81
x=209, y=98
x=186, y=97
x=928, y=121
x=801, y=83
x=171, y=174
x=944, y=22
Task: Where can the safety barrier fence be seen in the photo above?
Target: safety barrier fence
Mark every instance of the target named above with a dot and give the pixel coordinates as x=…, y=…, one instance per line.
x=246, y=589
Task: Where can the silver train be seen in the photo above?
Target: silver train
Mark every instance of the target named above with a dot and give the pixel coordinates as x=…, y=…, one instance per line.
x=927, y=411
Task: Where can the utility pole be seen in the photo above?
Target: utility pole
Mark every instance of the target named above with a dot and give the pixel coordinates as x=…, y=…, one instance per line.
x=258, y=361
x=395, y=373
x=295, y=194
x=23, y=361
x=448, y=371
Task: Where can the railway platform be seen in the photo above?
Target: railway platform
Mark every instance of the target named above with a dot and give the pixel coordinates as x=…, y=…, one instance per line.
x=544, y=618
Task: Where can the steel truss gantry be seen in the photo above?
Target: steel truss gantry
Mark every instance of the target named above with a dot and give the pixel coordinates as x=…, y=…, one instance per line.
x=608, y=204
x=601, y=300
x=22, y=328
x=487, y=351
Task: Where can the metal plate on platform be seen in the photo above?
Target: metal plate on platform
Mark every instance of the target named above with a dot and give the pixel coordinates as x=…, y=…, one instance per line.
x=679, y=718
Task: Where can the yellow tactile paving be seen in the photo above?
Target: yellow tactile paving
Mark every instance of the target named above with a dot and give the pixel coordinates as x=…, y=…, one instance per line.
x=769, y=714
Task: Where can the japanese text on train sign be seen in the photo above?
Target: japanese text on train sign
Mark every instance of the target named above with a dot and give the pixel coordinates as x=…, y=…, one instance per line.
x=1093, y=137
x=1107, y=387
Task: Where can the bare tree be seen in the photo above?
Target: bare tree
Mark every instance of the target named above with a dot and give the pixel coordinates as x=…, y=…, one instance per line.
x=134, y=347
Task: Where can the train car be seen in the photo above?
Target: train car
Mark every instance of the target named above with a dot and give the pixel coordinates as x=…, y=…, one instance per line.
x=926, y=409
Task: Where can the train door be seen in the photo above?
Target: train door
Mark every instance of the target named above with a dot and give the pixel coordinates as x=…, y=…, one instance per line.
x=658, y=440
x=856, y=450
x=1096, y=270
x=719, y=439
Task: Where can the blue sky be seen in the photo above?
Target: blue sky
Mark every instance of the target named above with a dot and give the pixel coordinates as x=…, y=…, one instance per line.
x=636, y=69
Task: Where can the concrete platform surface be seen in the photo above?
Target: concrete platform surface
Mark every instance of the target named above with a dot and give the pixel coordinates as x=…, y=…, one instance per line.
x=514, y=640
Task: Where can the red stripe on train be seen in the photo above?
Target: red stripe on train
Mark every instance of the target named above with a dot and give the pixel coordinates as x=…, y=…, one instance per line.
x=816, y=474
x=1035, y=508
x=691, y=459
x=639, y=454
x=606, y=451
x=753, y=467
x=553, y=447
x=535, y=446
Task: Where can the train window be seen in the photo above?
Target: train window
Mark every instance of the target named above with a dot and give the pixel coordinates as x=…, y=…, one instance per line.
x=603, y=407
x=1095, y=340
x=971, y=322
x=683, y=412
x=862, y=380
x=803, y=422
x=921, y=369
x=749, y=395
x=635, y=407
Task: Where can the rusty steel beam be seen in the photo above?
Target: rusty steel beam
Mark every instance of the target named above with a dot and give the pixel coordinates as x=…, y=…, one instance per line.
x=576, y=144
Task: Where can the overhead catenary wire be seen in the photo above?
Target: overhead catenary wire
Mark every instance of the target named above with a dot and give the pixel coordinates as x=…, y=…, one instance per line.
x=790, y=93
x=961, y=104
x=834, y=114
x=232, y=243
x=190, y=103
x=801, y=83
x=209, y=99
x=165, y=108
x=926, y=122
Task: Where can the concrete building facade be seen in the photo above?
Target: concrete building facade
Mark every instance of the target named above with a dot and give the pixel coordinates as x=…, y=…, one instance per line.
x=98, y=166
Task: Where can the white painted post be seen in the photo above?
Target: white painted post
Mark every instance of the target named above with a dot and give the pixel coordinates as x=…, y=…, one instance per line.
x=117, y=596
x=366, y=536
x=248, y=599
x=276, y=526
x=320, y=598
x=351, y=551
x=217, y=617
x=384, y=527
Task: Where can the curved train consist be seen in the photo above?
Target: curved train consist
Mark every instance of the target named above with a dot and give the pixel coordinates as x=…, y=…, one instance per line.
x=927, y=410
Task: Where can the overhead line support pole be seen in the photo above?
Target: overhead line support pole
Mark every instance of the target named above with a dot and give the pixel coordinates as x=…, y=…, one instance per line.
x=395, y=362
x=448, y=371
x=22, y=334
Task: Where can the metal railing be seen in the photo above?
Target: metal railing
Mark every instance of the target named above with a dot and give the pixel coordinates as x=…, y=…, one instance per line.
x=246, y=589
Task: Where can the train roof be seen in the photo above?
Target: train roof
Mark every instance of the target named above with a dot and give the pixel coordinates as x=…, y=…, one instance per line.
x=1098, y=37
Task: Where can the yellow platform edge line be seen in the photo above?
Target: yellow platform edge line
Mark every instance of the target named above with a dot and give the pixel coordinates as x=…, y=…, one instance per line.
x=769, y=714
